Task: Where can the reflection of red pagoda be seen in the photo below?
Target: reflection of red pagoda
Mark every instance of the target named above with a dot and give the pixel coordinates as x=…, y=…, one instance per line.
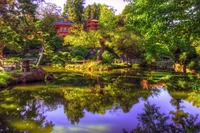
x=63, y=27
x=92, y=24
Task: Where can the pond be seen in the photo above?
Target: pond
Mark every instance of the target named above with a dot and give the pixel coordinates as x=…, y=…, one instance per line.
x=111, y=102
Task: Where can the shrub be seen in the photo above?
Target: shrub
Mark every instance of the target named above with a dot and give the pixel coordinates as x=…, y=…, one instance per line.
x=107, y=57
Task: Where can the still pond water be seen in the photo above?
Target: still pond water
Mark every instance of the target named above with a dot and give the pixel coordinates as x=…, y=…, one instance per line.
x=79, y=102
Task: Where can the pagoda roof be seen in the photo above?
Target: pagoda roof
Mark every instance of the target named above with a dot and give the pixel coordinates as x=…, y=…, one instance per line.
x=64, y=21
x=92, y=19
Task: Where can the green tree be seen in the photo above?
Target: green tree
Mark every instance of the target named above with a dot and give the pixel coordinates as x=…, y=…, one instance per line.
x=166, y=25
x=49, y=13
x=18, y=22
x=92, y=11
x=127, y=44
x=74, y=10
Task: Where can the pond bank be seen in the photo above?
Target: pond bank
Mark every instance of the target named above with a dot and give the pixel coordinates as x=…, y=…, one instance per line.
x=15, y=77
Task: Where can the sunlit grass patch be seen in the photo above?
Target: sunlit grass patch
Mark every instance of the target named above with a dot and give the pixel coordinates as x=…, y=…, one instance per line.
x=53, y=69
x=8, y=99
x=30, y=88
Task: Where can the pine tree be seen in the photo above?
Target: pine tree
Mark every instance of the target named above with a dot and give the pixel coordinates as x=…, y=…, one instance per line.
x=74, y=10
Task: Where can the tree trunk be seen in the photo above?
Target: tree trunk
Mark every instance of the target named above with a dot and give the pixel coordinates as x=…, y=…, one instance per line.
x=1, y=53
x=40, y=56
x=112, y=51
x=2, y=46
x=184, y=68
x=99, y=56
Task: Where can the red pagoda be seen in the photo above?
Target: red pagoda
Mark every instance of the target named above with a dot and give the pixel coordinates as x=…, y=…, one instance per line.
x=63, y=26
x=92, y=24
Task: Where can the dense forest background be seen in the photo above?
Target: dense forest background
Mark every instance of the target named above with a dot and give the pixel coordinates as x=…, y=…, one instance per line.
x=146, y=30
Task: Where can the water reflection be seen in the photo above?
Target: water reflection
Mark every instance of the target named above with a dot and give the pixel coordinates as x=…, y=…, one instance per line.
x=152, y=121
x=81, y=103
x=22, y=112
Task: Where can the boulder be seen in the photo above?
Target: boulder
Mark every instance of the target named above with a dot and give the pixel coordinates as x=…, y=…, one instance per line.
x=49, y=77
x=36, y=75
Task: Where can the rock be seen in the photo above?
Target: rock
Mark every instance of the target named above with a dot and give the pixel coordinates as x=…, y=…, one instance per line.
x=37, y=75
x=49, y=77
x=12, y=81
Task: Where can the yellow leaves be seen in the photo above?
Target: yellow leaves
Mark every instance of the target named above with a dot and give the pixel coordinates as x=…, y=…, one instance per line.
x=30, y=37
x=194, y=98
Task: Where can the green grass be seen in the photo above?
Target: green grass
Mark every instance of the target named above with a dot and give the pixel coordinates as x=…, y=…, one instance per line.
x=3, y=77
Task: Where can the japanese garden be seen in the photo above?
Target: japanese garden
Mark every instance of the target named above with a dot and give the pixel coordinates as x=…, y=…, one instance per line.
x=83, y=68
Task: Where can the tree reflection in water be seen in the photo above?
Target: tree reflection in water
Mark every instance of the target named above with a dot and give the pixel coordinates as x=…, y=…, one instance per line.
x=152, y=121
x=23, y=111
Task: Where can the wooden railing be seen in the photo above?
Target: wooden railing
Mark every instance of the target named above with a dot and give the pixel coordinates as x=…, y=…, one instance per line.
x=11, y=64
x=79, y=61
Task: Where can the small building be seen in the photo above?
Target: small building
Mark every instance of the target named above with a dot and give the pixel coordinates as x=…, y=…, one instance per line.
x=92, y=24
x=63, y=26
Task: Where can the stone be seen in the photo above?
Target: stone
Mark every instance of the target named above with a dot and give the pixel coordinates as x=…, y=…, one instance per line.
x=49, y=77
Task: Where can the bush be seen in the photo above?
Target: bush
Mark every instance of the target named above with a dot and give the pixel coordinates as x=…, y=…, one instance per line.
x=77, y=52
x=78, y=58
x=107, y=57
x=60, y=58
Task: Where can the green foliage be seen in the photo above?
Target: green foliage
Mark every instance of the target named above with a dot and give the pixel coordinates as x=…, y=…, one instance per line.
x=192, y=64
x=196, y=85
x=92, y=12
x=95, y=38
x=74, y=10
x=4, y=77
x=49, y=13
x=80, y=52
x=60, y=58
x=194, y=97
x=84, y=39
x=78, y=57
x=107, y=19
x=171, y=24
x=21, y=25
x=128, y=44
x=107, y=57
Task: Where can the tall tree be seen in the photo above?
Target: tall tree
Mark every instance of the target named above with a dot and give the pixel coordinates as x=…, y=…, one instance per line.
x=17, y=22
x=74, y=10
x=92, y=11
